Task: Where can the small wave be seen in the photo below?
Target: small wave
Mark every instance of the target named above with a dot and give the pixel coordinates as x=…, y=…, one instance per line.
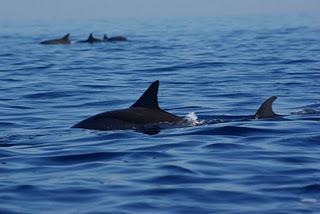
x=230, y=131
x=4, y=143
x=7, y=124
x=224, y=146
x=102, y=156
x=187, y=65
x=7, y=211
x=298, y=61
x=50, y=95
x=141, y=206
x=177, y=169
x=312, y=188
x=310, y=201
x=6, y=55
x=80, y=158
x=178, y=179
x=162, y=147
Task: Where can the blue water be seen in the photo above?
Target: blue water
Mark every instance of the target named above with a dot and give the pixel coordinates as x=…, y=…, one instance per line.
x=219, y=68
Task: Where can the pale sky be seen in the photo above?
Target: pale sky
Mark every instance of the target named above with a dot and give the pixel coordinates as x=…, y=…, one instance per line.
x=99, y=9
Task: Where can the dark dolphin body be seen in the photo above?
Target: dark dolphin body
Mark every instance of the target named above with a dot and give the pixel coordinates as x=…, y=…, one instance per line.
x=145, y=114
x=144, y=111
x=114, y=38
x=61, y=41
x=91, y=40
x=265, y=111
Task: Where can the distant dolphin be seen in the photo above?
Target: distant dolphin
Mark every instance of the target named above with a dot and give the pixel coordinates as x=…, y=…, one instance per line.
x=146, y=111
x=63, y=40
x=114, y=38
x=91, y=40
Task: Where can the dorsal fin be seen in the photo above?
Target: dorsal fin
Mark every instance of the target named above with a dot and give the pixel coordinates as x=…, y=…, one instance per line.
x=66, y=36
x=149, y=98
x=90, y=37
x=265, y=110
x=105, y=37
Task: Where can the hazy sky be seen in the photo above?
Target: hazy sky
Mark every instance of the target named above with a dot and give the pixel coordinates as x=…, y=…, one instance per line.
x=87, y=9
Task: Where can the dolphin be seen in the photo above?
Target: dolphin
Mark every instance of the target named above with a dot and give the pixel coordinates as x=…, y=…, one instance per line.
x=145, y=114
x=114, y=38
x=265, y=111
x=91, y=39
x=144, y=111
x=63, y=40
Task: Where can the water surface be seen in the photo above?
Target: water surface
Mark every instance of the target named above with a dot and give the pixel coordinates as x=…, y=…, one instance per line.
x=215, y=67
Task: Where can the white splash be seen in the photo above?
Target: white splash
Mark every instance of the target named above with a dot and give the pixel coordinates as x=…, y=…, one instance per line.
x=309, y=200
x=307, y=111
x=192, y=119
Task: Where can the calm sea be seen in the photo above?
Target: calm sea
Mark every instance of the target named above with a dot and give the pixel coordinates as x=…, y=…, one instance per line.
x=217, y=68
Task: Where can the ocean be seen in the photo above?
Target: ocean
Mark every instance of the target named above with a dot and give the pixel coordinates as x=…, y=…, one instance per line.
x=212, y=68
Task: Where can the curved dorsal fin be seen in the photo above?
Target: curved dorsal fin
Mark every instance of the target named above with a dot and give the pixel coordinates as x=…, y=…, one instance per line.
x=66, y=36
x=90, y=36
x=265, y=110
x=149, y=98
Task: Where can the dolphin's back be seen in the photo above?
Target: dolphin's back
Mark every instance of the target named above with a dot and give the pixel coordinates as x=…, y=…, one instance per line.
x=130, y=118
x=104, y=121
x=144, y=111
x=114, y=38
x=63, y=40
x=91, y=39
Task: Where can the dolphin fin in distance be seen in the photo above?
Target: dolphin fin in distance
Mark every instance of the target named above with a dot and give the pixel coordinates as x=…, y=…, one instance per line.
x=149, y=98
x=63, y=40
x=66, y=36
x=265, y=110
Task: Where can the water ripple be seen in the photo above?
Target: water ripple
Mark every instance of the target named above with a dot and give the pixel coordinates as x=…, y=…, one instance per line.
x=219, y=69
